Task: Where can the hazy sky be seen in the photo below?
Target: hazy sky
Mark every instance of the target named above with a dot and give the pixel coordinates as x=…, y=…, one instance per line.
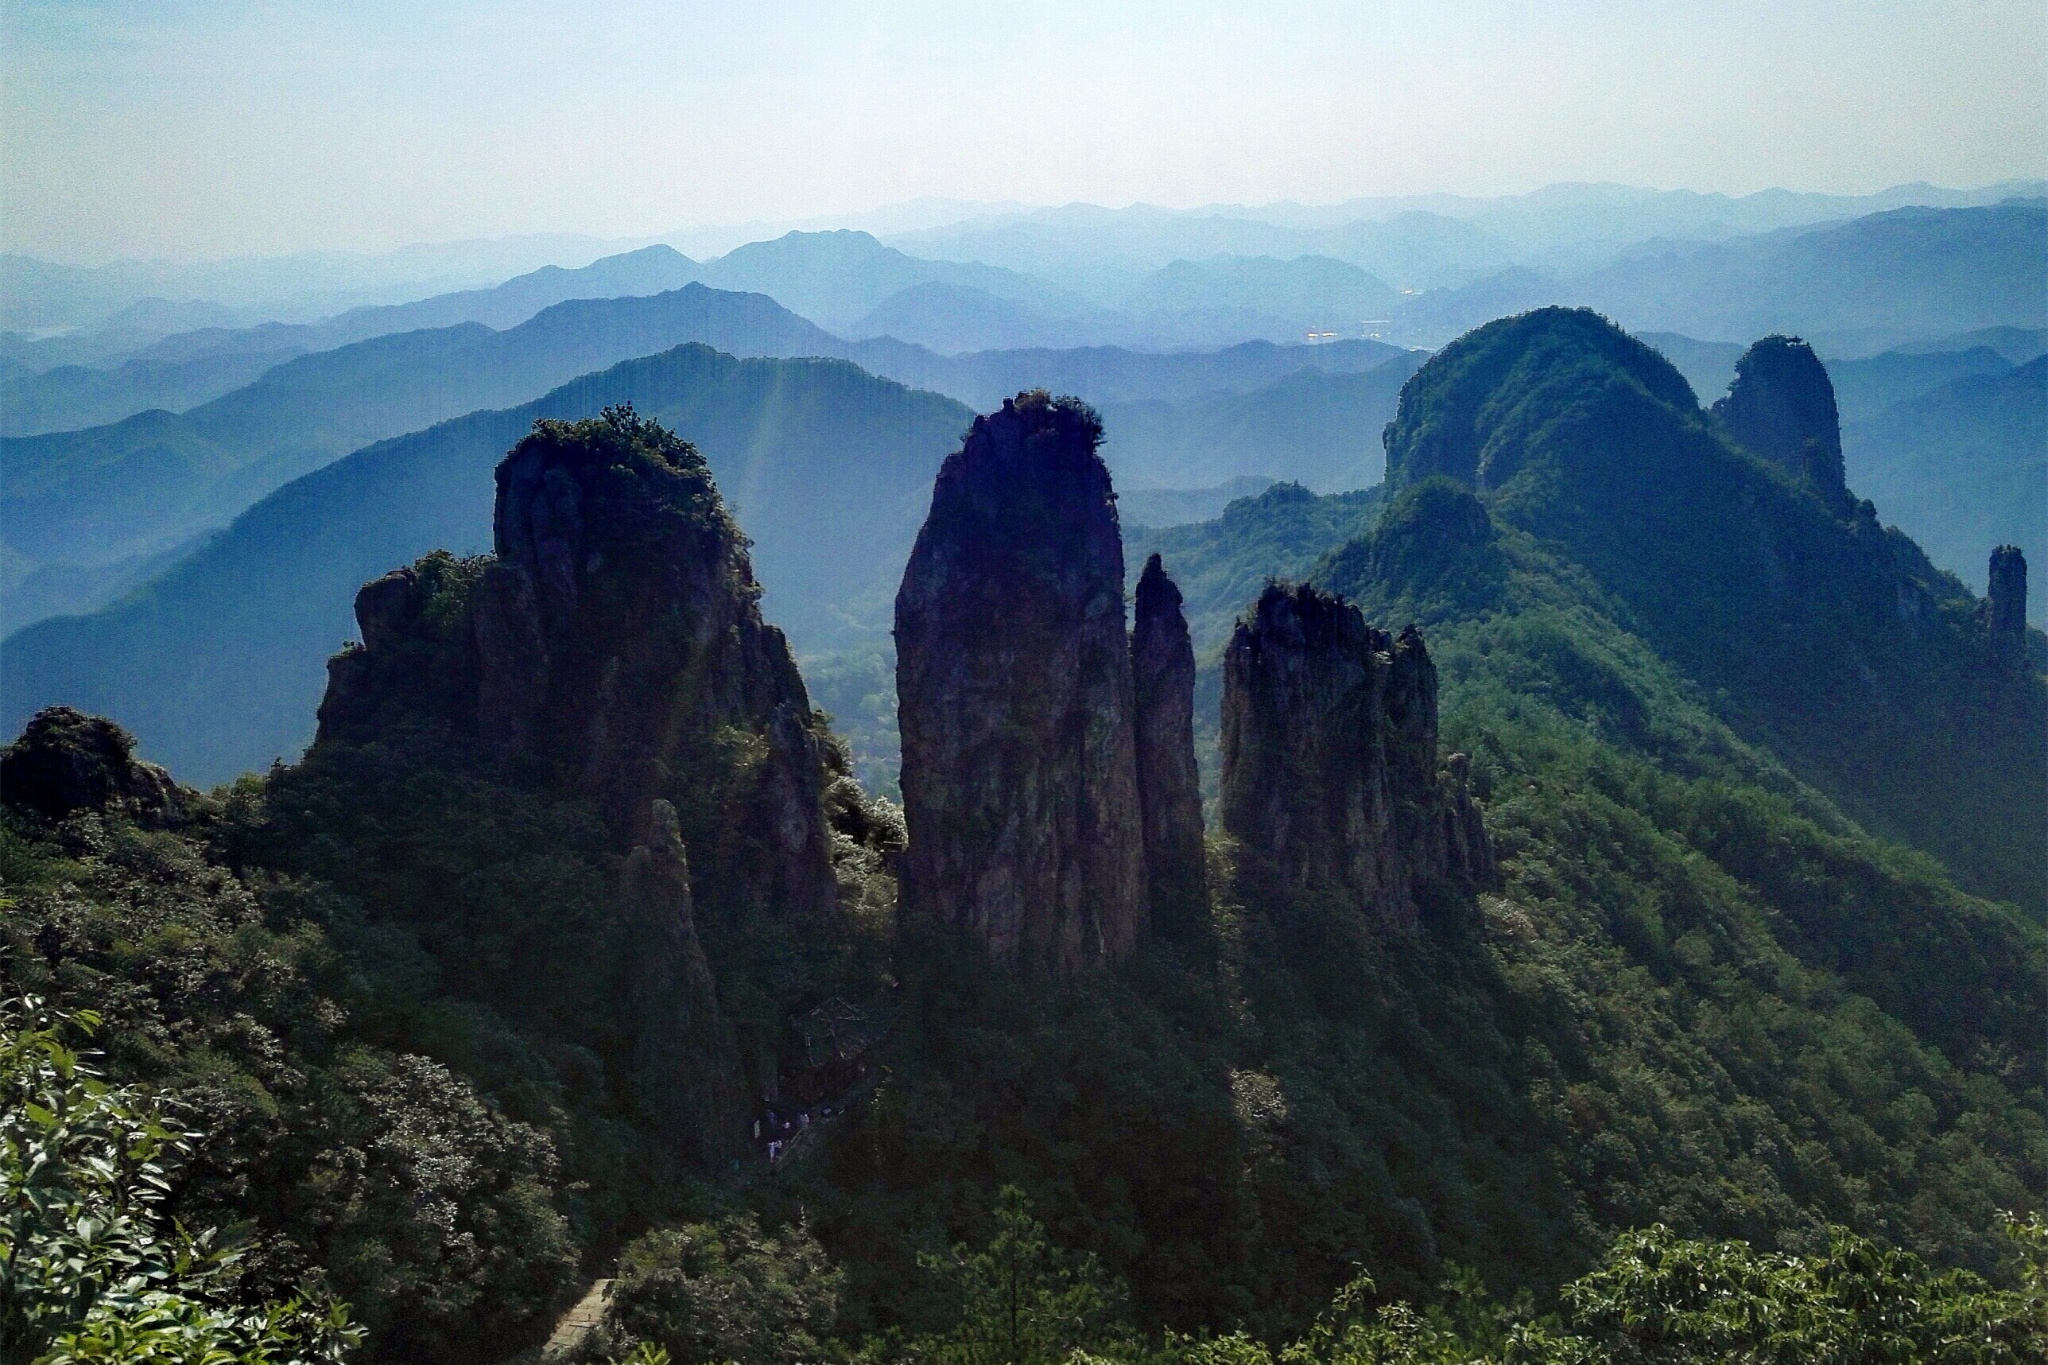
x=211, y=127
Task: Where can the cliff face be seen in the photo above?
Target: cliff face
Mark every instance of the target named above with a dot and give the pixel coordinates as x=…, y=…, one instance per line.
x=616, y=643
x=1169, y=788
x=684, y=1056
x=614, y=651
x=1782, y=407
x=1015, y=698
x=1330, y=780
x=620, y=631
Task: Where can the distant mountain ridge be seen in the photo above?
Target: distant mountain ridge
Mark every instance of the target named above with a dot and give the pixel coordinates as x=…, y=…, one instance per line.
x=188, y=368
x=103, y=493
x=219, y=662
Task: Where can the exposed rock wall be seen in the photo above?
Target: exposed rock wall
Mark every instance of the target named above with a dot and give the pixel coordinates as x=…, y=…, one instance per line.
x=1305, y=785
x=684, y=1056
x=1015, y=698
x=1782, y=407
x=2005, y=604
x=620, y=631
x=616, y=641
x=1330, y=776
x=614, y=650
x=1169, y=787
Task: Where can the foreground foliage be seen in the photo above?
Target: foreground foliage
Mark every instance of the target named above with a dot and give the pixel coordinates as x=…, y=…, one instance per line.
x=92, y=1268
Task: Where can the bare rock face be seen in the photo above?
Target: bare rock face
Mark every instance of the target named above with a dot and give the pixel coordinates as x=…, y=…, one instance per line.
x=614, y=650
x=1305, y=782
x=1466, y=851
x=67, y=761
x=1014, y=691
x=619, y=636
x=1782, y=407
x=1169, y=788
x=2005, y=604
x=684, y=1054
x=1330, y=777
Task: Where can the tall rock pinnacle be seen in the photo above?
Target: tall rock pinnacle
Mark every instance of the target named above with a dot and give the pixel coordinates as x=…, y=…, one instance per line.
x=614, y=652
x=1014, y=693
x=2005, y=604
x=1782, y=407
x=621, y=629
x=1305, y=787
x=614, y=640
x=1330, y=780
x=1169, y=788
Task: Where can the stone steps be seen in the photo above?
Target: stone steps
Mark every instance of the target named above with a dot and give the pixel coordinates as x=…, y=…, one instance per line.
x=579, y=1321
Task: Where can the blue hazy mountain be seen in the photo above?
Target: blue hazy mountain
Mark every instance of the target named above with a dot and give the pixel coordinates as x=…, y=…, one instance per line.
x=135, y=486
x=952, y=318
x=219, y=664
x=187, y=368
x=1317, y=429
x=1962, y=467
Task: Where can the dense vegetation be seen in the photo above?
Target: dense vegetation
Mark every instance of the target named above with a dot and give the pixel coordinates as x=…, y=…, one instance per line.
x=1711, y=1030
x=91, y=1269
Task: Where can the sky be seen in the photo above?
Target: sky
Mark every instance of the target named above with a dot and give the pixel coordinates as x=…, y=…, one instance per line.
x=187, y=129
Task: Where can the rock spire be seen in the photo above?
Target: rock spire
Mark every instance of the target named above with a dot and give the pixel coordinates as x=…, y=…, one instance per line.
x=1782, y=407
x=1015, y=698
x=614, y=651
x=2005, y=604
x=1330, y=779
x=1169, y=788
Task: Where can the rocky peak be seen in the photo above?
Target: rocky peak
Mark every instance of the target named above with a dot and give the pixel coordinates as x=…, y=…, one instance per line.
x=2005, y=604
x=1330, y=778
x=1169, y=787
x=67, y=761
x=1782, y=407
x=1015, y=697
x=614, y=644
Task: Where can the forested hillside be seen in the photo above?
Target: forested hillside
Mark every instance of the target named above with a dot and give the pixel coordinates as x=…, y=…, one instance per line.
x=575, y=890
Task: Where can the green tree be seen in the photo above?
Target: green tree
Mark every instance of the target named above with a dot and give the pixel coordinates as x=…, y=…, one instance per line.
x=91, y=1268
x=1023, y=1300
x=725, y=1291
x=1660, y=1297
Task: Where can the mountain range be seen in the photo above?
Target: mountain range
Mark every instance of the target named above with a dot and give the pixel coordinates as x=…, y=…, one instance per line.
x=219, y=660
x=1660, y=899
x=135, y=487
x=78, y=504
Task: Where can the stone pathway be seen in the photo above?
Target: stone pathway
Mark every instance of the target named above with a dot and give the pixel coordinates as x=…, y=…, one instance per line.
x=579, y=1321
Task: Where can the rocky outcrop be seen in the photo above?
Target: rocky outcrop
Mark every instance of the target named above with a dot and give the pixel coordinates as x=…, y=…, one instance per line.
x=67, y=761
x=2005, y=605
x=683, y=1051
x=1330, y=779
x=1169, y=787
x=613, y=651
x=616, y=644
x=1782, y=407
x=1015, y=699
x=620, y=632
